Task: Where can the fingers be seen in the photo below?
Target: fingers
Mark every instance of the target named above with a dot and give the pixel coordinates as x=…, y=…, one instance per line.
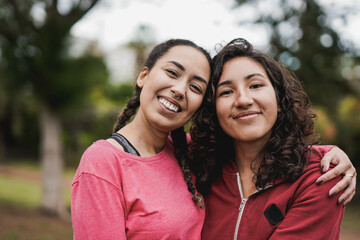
x=325, y=161
x=332, y=173
x=343, y=183
x=349, y=183
x=343, y=166
x=342, y=161
x=349, y=198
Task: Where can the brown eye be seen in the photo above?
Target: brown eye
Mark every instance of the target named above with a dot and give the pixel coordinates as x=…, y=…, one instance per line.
x=171, y=72
x=225, y=92
x=256, y=85
x=196, y=88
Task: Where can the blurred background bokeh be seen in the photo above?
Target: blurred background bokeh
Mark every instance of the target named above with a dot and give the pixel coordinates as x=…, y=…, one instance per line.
x=68, y=66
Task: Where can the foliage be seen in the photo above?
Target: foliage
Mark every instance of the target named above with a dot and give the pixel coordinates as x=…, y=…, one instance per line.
x=34, y=50
x=119, y=93
x=325, y=126
x=95, y=122
x=142, y=39
x=348, y=136
x=303, y=39
x=34, y=54
x=36, y=68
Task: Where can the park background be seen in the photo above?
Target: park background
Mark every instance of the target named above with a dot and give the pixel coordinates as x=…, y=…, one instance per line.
x=67, y=67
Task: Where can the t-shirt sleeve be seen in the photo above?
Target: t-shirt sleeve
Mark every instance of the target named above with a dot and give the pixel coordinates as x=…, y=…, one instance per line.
x=312, y=214
x=97, y=209
x=98, y=206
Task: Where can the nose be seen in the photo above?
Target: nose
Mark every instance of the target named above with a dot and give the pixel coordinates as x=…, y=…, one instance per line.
x=243, y=99
x=178, y=89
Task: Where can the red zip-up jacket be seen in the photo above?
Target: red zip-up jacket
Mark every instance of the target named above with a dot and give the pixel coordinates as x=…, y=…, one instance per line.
x=297, y=210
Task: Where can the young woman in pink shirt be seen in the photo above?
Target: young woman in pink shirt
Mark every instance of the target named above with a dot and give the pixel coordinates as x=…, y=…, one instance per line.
x=259, y=170
x=132, y=186
x=137, y=184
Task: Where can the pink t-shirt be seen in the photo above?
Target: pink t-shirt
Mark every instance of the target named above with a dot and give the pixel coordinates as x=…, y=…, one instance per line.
x=116, y=195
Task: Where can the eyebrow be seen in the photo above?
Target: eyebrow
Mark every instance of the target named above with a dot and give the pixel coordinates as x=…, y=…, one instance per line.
x=228, y=82
x=183, y=69
x=200, y=79
x=253, y=75
x=178, y=65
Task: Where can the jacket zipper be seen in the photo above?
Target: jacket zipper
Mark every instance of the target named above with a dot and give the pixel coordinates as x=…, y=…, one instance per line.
x=241, y=207
x=243, y=203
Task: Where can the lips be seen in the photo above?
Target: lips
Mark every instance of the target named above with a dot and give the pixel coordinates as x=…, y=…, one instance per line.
x=246, y=115
x=170, y=105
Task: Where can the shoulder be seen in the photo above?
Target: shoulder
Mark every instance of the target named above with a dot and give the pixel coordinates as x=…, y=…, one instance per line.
x=102, y=160
x=314, y=155
x=307, y=181
x=320, y=150
x=99, y=153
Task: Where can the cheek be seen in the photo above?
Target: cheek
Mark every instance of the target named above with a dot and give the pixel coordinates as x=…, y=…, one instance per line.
x=218, y=109
x=195, y=102
x=221, y=114
x=273, y=109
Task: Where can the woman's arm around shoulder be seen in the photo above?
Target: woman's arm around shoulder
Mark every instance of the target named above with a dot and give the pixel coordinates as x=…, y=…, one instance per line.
x=343, y=166
x=312, y=213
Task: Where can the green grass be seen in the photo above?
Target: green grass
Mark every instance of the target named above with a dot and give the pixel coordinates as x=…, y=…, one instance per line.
x=27, y=193
x=20, y=192
x=24, y=193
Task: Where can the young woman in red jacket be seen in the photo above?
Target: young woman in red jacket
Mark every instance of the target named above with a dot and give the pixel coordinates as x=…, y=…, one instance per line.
x=254, y=157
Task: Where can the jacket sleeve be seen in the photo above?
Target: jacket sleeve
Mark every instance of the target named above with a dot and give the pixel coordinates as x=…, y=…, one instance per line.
x=322, y=149
x=97, y=209
x=311, y=214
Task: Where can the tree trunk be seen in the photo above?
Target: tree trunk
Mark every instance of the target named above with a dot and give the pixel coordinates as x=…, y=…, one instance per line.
x=51, y=154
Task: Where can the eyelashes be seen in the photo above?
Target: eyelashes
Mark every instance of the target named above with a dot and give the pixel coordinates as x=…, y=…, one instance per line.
x=194, y=87
x=229, y=91
x=172, y=73
x=225, y=92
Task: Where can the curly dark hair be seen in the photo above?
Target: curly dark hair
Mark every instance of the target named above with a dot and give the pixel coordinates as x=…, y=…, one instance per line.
x=178, y=135
x=284, y=155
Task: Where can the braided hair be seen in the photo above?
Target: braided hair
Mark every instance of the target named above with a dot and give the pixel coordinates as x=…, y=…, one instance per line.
x=178, y=135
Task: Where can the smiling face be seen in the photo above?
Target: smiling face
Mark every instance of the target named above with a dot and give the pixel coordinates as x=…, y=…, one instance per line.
x=246, y=103
x=174, y=88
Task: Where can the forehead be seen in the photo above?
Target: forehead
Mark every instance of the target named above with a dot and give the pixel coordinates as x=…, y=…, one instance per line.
x=193, y=60
x=241, y=67
x=184, y=53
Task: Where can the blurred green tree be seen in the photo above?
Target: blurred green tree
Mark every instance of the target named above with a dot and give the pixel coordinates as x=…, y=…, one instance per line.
x=302, y=38
x=348, y=122
x=140, y=43
x=33, y=43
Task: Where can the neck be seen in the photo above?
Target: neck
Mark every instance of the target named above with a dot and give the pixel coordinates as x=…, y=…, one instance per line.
x=247, y=154
x=147, y=140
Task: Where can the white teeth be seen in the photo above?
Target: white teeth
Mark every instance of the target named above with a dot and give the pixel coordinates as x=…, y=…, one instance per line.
x=168, y=105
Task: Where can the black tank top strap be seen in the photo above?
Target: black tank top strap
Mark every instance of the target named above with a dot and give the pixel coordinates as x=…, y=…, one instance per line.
x=128, y=147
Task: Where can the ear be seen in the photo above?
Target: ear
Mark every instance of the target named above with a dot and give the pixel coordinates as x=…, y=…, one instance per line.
x=142, y=77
